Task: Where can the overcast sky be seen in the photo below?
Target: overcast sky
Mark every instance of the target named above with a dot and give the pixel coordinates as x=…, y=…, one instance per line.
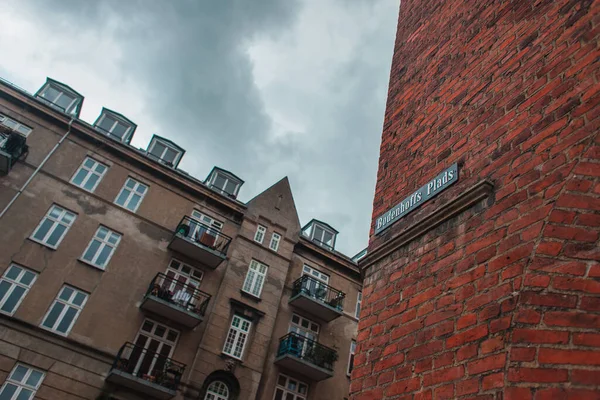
x=263, y=88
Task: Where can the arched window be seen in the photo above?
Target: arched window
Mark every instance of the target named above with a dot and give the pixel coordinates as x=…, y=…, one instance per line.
x=217, y=391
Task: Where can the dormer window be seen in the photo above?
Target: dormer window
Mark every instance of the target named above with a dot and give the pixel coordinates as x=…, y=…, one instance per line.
x=320, y=233
x=224, y=182
x=115, y=125
x=61, y=97
x=165, y=151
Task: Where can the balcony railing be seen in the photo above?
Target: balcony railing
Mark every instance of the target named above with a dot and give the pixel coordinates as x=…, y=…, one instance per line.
x=319, y=291
x=176, y=300
x=146, y=371
x=322, y=244
x=12, y=146
x=200, y=242
x=316, y=360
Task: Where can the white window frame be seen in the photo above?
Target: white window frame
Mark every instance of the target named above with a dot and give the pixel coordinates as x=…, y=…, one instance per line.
x=117, y=121
x=259, y=235
x=297, y=395
x=132, y=192
x=167, y=146
x=315, y=273
x=237, y=334
x=55, y=222
x=351, y=355
x=72, y=106
x=320, y=240
x=90, y=171
x=275, y=240
x=15, y=125
x=14, y=283
x=103, y=243
x=255, y=278
x=227, y=178
x=358, y=305
x=67, y=305
x=22, y=384
x=216, y=393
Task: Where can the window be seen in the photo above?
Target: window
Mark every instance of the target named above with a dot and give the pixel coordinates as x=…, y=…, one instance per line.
x=64, y=311
x=131, y=195
x=358, y=304
x=275, y=239
x=60, y=98
x=217, y=390
x=14, y=285
x=351, y=357
x=290, y=389
x=22, y=383
x=89, y=174
x=224, y=182
x=15, y=125
x=236, y=338
x=114, y=126
x=184, y=274
x=255, y=278
x=259, y=236
x=154, y=344
x=323, y=237
x=101, y=247
x=307, y=270
x=163, y=152
x=53, y=227
x=304, y=327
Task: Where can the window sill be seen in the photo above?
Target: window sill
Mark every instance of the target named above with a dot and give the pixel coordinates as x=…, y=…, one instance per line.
x=250, y=296
x=43, y=244
x=81, y=260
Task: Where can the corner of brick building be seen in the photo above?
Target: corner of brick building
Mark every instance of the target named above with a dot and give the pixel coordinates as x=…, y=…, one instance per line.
x=495, y=296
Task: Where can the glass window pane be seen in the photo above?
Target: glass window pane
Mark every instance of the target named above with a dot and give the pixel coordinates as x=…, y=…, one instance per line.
x=107, y=123
x=67, y=319
x=79, y=298
x=19, y=373
x=53, y=315
x=278, y=394
x=89, y=162
x=66, y=293
x=11, y=303
x=220, y=182
x=135, y=199
x=289, y=396
x=78, y=179
x=170, y=155
x=34, y=378
x=64, y=101
x=103, y=257
x=119, y=130
x=56, y=235
x=91, y=251
x=55, y=212
x=89, y=185
x=140, y=189
x=281, y=380
x=122, y=197
x=99, y=168
x=68, y=218
x=230, y=187
x=13, y=272
x=158, y=149
x=50, y=93
x=25, y=394
x=43, y=230
x=102, y=232
x=130, y=183
x=113, y=238
x=160, y=331
x=8, y=391
x=4, y=286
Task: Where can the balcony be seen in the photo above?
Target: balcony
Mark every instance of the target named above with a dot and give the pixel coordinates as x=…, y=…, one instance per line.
x=146, y=372
x=200, y=242
x=12, y=146
x=306, y=357
x=180, y=302
x=317, y=298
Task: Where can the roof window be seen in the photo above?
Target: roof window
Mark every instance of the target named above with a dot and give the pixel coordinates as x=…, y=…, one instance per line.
x=61, y=97
x=115, y=125
x=165, y=151
x=320, y=233
x=224, y=182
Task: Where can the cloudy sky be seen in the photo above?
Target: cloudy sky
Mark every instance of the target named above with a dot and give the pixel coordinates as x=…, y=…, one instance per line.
x=263, y=88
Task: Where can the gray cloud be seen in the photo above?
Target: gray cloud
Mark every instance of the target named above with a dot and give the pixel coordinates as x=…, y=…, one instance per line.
x=314, y=117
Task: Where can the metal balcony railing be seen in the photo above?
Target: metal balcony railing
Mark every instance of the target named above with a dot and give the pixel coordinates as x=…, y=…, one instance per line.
x=148, y=365
x=179, y=294
x=13, y=146
x=204, y=235
x=319, y=291
x=307, y=350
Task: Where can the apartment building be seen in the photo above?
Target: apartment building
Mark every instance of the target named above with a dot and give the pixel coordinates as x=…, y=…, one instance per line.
x=124, y=277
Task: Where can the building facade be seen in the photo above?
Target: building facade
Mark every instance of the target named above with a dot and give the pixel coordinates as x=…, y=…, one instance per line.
x=481, y=277
x=123, y=277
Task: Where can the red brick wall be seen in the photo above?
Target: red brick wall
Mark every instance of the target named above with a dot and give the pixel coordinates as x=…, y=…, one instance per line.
x=503, y=300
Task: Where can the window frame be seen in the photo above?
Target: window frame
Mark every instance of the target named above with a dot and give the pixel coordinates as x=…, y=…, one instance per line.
x=4, y=118
x=358, y=305
x=324, y=230
x=19, y=384
x=118, y=120
x=15, y=283
x=70, y=108
x=214, y=393
x=67, y=304
x=277, y=241
x=237, y=335
x=262, y=230
x=132, y=192
x=167, y=146
x=309, y=273
x=254, y=279
x=228, y=179
x=103, y=243
x=90, y=172
x=55, y=222
x=351, y=354
x=297, y=395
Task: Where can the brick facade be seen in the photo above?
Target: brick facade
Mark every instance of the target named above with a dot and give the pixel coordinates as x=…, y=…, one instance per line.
x=491, y=289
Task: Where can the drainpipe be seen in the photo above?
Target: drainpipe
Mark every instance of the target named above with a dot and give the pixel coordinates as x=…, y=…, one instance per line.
x=16, y=196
